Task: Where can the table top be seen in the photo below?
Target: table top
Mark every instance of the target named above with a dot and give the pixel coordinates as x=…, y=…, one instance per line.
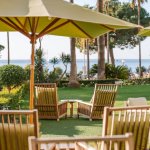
x=71, y=100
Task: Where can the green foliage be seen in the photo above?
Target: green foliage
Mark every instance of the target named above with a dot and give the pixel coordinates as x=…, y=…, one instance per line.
x=128, y=38
x=1, y=48
x=58, y=70
x=54, y=61
x=24, y=90
x=11, y=76
x=27, y=72
x=11, y=100
x=57, y=74
x=94, y=69
x=39, y=66
x=122, y=72
x=3, y=102
x=65, y=58
x=53, y=77
x=140, y=81
x=87, y=83
x=112, y=72
x=143, y=69
x=81, y=44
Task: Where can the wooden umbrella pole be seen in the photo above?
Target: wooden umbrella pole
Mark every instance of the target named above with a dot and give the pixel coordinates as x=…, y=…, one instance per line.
x=33, y=40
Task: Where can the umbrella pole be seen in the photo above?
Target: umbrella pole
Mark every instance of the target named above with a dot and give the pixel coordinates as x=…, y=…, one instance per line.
x=32, y=74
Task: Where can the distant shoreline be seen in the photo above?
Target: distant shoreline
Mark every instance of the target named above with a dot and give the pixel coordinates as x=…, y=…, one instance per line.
x=130, y=63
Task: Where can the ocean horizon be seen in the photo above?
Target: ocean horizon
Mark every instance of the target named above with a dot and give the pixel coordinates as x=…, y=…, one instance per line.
x=130, y=63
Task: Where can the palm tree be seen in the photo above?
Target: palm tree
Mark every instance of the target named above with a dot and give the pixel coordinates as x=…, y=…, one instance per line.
x=1, y=48
x=73, y=69
x=66, y=59
x=101, y=46
x=39, y=64
x=133, y=4
x=54, y=61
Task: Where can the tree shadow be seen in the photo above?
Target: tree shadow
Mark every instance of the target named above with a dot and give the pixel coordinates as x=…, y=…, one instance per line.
x=71, y=127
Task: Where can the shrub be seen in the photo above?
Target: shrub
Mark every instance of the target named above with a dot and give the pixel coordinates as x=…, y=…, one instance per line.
x=83, y=83
x=143, y=69
x=11, y=76
x=112, y=72
x=3, y=102
x=122, y=72
x=39, y=66
x=53, y=77
x=27, y=72
x=58, y=71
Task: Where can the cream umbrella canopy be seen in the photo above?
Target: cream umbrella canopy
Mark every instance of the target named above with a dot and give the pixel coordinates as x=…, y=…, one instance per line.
x=35, y=18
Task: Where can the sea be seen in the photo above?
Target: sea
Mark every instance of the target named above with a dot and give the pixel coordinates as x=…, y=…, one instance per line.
x=81, y=63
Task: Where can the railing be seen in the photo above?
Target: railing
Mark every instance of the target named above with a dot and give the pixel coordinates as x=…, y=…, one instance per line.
x=90, y=143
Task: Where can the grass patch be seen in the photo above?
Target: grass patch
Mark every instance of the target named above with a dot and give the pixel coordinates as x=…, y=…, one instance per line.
x=83, y=127
x=70, y=127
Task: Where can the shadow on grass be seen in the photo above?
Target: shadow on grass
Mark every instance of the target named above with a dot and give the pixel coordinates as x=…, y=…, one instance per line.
x=71, y=127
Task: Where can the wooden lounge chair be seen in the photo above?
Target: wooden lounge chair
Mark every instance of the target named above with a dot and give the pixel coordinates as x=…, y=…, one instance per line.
x=15, y=127
x=46, y=101
x=138, y=101
x=86, y=143
x=104, y=95
x=128, y=119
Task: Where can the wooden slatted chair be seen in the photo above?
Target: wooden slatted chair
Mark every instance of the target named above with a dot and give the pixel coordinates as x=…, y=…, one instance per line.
x=46, y=101
x=15, y=127
x=92, y=143
x=104, y=95
x=129, y=119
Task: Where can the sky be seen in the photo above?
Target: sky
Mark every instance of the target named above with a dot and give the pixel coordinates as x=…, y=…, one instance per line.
x=53, y=46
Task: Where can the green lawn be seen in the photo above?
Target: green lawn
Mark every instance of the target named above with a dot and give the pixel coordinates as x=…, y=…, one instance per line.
x=83, y=127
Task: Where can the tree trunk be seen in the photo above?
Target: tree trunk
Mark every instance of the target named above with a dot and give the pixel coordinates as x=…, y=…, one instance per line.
x=108, y=48
x=139, y=10
x=8, y=48
x=101, y=47
x=62, y=75
x=88, y=58
x=73, y=68
x=112, y=56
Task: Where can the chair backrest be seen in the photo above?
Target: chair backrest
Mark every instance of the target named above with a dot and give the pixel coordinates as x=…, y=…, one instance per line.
x=46, y=100
x=15, y=127
x=139, y=101
x=104, y=95
x=128, y=119
x=46, y=93
x=92, y=143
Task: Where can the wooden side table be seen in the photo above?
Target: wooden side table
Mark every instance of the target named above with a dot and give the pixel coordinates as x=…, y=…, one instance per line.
x=71, y=102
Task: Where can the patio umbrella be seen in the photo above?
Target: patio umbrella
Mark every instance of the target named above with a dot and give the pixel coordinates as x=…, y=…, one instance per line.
x=35, y=18
x=145, y=31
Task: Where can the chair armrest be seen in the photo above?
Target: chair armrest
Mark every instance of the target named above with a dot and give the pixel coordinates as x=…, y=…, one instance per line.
x=61, y=103
x=85, y=103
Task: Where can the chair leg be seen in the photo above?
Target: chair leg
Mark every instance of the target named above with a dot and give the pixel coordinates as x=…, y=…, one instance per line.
x=78, y=116
x=66, y=116
x=90, y=119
